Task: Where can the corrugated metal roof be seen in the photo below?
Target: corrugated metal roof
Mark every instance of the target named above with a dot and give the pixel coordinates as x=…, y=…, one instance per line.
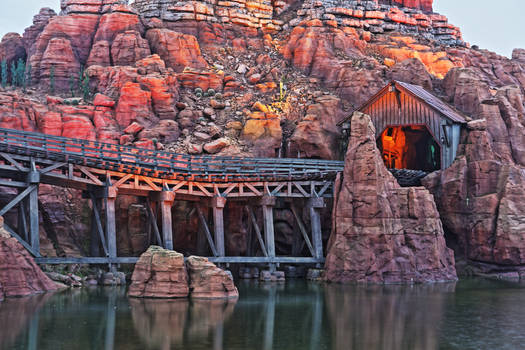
x=433, y=101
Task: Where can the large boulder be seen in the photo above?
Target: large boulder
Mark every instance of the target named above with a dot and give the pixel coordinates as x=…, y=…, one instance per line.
x=383, y=233
x=207, y=281
x=159, y=273
x=19, y=274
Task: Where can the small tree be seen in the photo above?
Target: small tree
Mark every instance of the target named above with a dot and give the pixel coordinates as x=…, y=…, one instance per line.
x=13, y=74
x=52, y=80
x=72, y=85
x=80, y=78
x=21, y=73
x=4, y=73
x=85, y=87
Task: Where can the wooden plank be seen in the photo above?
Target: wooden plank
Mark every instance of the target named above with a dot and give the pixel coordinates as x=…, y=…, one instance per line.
x=257, y=230
x=302, y=229
x=122, y=180
x=17, y=199
x=87, y=260
x=207, y=232
x=17, y=184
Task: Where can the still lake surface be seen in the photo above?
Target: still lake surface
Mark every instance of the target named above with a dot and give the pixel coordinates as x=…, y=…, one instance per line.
x=470, y=314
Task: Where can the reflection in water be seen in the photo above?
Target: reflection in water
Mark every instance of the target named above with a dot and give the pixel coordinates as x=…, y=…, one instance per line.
x=386, y=317
x=165, y=323
x=295, y=315
x=18, y=315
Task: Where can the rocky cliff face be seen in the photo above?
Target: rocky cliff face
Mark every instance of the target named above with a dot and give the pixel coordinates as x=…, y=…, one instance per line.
x=19, y=274
x=383, y=233
x=272, y=78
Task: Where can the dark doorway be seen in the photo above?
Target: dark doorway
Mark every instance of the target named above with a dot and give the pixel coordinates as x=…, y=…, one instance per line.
x=409, y=147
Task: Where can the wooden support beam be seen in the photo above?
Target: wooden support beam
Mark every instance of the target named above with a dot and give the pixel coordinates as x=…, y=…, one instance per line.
x=166, y=202
x=218, y=204
x=22, y=220
x=302, y=229
x=97, y=224
x=94, y=245
x=204, y=226
x=153, y=223
x=17, y=199
x=111, y=227
x=34, y=224
x=253, y=220
x=267, y=204
x=218, y=259
x=314, y=205
x=22, y=242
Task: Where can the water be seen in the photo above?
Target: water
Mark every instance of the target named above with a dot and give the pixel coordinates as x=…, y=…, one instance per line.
x=472, y=314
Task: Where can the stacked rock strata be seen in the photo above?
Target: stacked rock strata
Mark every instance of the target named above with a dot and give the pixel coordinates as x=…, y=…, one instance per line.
x=254, y=13
x=379, y=18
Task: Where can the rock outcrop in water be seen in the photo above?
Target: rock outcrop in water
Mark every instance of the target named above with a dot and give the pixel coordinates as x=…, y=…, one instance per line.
x=19, y=274
x=383, y=233
x=162, y=273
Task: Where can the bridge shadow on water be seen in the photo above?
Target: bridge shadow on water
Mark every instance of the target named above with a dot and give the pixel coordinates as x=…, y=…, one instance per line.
x=295, y=315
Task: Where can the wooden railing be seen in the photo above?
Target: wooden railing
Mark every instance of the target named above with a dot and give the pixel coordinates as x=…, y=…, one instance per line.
x=161, y=164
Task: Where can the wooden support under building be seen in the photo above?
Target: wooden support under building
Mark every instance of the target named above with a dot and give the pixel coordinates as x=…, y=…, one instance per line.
x=314, y=205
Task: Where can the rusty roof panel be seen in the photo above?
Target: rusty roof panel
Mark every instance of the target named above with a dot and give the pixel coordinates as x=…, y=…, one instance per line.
x=433, y=101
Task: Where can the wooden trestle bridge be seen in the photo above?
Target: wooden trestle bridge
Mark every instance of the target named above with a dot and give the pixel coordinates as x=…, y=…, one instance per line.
x=104, y=171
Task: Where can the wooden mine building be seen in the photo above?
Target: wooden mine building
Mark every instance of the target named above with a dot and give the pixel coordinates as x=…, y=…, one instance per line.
x=414, y=129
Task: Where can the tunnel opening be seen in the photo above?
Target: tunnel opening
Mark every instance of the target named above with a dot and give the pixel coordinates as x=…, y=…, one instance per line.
x=409, y=147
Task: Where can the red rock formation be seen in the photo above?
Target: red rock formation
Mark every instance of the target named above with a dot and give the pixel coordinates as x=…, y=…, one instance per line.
x=134, y=105
x=19, y=274
x=480, y=195
x=317, y=135
x=425, y=5
x=176, y=49
x=12, y=48
x=31, y=33
x=159, y=273
x=383, y=233
x=128, y=48
x=208, y=281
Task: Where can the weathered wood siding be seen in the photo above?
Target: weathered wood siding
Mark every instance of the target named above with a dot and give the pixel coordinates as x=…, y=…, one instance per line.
x=391, y=110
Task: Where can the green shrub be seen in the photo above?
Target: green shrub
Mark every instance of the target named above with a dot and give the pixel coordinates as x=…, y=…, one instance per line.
x=198, y=91
x=218, y=96
x=211, y=92
x=198, y=94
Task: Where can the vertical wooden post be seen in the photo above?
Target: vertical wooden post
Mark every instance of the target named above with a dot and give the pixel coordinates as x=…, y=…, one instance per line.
x=314, y=206
x=111, y=225
x=33, y=178
x=267, y=203
x=218, y=204
x=166, y=202
x=95, y=240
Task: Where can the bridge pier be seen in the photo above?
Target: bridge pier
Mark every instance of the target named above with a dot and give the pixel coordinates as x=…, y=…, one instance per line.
x=267, y=203
x=33, y=179
x=165, y=199
x=314, y=206
x=218, y=204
